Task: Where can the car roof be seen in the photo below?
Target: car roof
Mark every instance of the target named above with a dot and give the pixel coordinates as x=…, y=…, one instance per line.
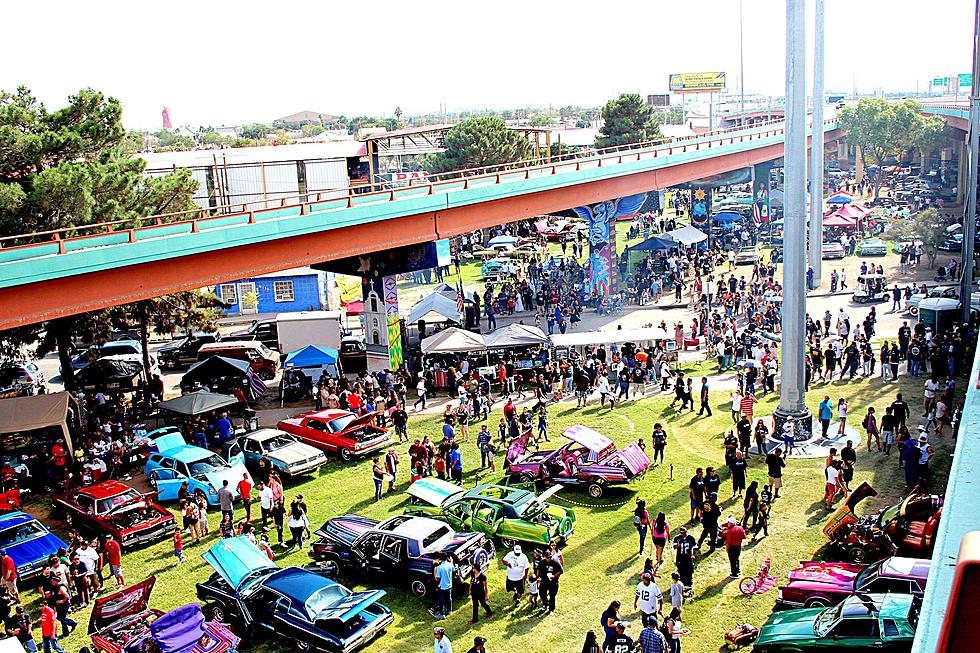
x=14, y=519
x=186, y=453
x=297, y=583
x=132, y=343
x=104, y=489
x=264, y=434
x=230, y=344
x=416, y=528
x=877, y=605
x=905, y=567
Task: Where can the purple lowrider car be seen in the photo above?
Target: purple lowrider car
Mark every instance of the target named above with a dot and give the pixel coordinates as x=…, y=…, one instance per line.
x=821, y=584
x=588, y=460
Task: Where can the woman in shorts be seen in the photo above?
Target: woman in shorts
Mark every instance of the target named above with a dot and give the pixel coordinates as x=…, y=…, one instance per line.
x=660, y=535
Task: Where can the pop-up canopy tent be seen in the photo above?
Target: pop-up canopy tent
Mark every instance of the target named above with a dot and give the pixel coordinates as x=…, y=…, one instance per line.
x=852, y=212
x=840, y=198
x=219, y=372
x=615, y=336
x=20, y=414
x=839, y=221
x=435, y=303
x=686, y=235
x=638, y=251
x=109, y=374
x=313, y=360
x=453, y=340
x=197, y=403
x=516, y=335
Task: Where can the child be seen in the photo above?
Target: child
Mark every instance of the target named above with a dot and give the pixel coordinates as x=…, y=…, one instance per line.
x=202, y=511
x=543, y=423
x=492, y=455
x=532, y=582
x=440, y=467
x=227, y=527
x=264, y=545
x=418, y=471
x=502, y=431
x=677, y=591
x=179, y=547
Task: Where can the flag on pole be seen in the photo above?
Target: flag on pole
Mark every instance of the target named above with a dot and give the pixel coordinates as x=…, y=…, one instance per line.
x=459, y=296
x=756, y=212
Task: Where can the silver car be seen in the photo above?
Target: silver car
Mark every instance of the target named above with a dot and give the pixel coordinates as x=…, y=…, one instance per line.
x=288, y=456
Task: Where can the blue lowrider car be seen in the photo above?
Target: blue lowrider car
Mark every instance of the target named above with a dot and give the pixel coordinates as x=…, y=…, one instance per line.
x=294, y=605
x=27, y=542
x=204, y=470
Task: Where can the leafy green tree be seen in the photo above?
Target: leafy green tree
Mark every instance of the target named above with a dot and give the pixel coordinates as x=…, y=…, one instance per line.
x=255, y=131
x=312, y=130
x=69, y=168
x=884, y=130
x=192, y=310
x=627, y=120
x=479, y=142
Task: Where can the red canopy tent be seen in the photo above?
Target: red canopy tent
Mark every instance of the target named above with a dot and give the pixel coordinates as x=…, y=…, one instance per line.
x=839, y=221
x=851, y=212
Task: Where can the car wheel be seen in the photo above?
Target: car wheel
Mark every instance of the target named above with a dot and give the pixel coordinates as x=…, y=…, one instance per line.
x=216, y=612
x=817, y=602
x=526, y=478
x=508, y=543
x=857, y=554
x=345, y=454
x=329, y=567
x=419, y=588
x=479, y=558
x=913, y=310
x=596, y=490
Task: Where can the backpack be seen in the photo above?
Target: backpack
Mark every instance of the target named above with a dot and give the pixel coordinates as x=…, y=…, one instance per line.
x=665, y=627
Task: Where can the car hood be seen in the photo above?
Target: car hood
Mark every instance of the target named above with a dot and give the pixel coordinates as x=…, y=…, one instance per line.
x=788, y=625
x=295, y=452
x=233, y=474
x=34, y=549
x=835, y=576
x=434, y=491
x=235, y=559
x=346, y=529
x=349, y=607
x=131, y=600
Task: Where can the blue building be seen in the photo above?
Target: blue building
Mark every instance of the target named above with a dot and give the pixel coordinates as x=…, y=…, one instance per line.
x=298, y=289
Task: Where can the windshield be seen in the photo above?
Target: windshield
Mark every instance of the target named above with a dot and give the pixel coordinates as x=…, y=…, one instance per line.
x=339, y=424
x=265, y=351
x=889, y=514
x=116, y=350
x=206, y=465
x=20, y=533
x=325, y=598
x=180, y=343
x=277, y=443
x=102, y=506
x=826, y=620
x=867, y=575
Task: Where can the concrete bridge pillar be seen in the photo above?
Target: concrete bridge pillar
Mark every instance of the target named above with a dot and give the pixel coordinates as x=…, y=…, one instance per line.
x=858, y=165
x=962, y=173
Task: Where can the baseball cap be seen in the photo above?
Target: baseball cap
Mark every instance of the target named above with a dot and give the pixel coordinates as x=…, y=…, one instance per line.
x=517, y=549
x=731, y=520
x=477, y=641
x=646, y=576
x=620, y=624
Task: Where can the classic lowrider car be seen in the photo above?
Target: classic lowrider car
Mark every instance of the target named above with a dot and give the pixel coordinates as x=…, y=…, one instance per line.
x=908, y=527
x=203, y=470
x=297, y=607
x=832, y=250
x=863, y=622
x=28, y=543
x=821, y=584
x=115, y=509
x=125, y=622
x=401, y=550
x=338, y=431
x=588, y=460
x=288, y=456
x=872, y=247
x=510, y=514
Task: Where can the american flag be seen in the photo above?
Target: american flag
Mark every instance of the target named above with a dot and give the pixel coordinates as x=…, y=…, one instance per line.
x=756, y=212
x=459, y=297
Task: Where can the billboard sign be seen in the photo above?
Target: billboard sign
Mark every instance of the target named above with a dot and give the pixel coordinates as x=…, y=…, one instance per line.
x=939, y=81
x=697, y=82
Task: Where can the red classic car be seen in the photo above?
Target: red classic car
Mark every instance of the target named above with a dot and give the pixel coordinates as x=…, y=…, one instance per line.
x=822, y=584
x=588, y=460
x=338, y=431
x=116, y=509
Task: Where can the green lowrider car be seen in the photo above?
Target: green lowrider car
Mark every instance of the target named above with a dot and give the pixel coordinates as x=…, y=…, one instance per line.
x=510, y=514
x=866, y=622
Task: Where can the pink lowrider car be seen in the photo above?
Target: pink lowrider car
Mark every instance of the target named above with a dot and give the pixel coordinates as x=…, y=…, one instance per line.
x=821, y=584
x=588, y=460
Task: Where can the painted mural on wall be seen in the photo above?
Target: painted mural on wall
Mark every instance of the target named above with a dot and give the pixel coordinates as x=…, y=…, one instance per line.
x=700, y=207
x=601, y=220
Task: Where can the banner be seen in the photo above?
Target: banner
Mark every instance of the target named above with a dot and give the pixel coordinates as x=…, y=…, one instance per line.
x=697, y=82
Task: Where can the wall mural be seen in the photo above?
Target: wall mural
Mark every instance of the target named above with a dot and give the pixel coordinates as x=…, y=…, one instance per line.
x=601, y=220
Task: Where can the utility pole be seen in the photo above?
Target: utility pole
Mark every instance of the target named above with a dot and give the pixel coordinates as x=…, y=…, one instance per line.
x=741, y=64
x=792, y=398
x=816, y=149
x=969, y=219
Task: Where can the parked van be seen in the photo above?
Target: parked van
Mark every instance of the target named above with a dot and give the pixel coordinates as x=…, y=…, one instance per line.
x=263, y=360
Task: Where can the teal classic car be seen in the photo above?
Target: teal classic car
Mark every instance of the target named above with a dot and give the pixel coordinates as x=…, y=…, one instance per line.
x=512, y=515
x=872, y=247
x=863, y=622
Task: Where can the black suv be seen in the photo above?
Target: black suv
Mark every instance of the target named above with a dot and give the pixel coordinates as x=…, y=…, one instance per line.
x=184, y=351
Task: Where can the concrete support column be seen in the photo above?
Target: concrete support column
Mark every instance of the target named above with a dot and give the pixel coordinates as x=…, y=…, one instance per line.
x=792, y=398
x=816, y=150
x=963, y=172
x=858, y=164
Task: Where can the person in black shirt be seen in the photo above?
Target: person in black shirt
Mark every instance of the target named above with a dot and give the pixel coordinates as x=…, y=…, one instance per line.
x=478, y=592
x=710, y=514
x=19, y=625
x=744, y=428
x=712, y=482
x=697, y=494
x=686, y=547
x=549, y=571
x=621, y=642
x=738, y=468
x=900, y=409
x=704, y=397
x=775, y=464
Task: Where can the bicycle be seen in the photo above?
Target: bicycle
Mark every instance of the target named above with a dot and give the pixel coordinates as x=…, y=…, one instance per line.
x=761, y=583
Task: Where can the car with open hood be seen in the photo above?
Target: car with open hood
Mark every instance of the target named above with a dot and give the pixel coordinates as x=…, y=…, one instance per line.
x=338, y=431
x=115, y=509
x=863, y=622
x=299, y=608
x=203, y=470
x=287, y=455
x=401, y=550
x=816, y=584
x=512, y=515
x=28, y=542
x=588, y=460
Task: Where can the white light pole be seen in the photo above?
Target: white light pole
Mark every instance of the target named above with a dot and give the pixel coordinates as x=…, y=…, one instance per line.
x=816, y=149
x=792, y=398
x=969, y=220
x=741, y=64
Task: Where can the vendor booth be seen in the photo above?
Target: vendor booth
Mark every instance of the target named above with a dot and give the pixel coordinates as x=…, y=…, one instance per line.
x=222, y=374
x=197, y=403
x=46, y=417
x=565, y=343
x=314, y=360
x=109, y=374
x=636, y=253
x=453, y=340
x=686, y=236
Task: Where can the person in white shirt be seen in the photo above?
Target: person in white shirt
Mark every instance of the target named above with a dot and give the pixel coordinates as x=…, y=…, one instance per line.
x=929, y=395
x=517, y=568
x=605, y=391
x=442, y=643
x=833, y=483
x=648, y=598
x=266, y=499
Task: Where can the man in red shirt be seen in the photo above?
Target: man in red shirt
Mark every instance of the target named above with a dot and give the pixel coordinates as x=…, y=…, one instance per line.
x=747, y=405
x=49, y=628
x=244, y=488
x=113, y=553
x=8, y=570
x=510, y=410
x=734, y=537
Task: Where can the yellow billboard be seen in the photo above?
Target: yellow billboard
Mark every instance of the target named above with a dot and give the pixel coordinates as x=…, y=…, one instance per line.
x=697, y=82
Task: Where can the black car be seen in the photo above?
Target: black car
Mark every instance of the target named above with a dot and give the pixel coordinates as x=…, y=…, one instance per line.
x=265, y=331
x=183, y=352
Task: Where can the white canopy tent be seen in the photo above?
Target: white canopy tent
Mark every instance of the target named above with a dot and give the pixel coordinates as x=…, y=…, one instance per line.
x=435, y=303
x=453, y=341
x=609, y=337
x=516, y=335
x=686, y=235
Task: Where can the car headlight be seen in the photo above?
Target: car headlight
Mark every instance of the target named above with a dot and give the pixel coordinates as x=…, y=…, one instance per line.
x=211, y=490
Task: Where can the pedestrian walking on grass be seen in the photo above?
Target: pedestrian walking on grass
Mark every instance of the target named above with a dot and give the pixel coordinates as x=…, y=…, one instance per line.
x=734, y=537
x=479, y=594
x=641, y=521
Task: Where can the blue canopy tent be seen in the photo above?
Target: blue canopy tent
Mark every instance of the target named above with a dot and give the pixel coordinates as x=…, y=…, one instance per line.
x=840, y=198
x=637, y=252
x=313, y=360
x=726, y=217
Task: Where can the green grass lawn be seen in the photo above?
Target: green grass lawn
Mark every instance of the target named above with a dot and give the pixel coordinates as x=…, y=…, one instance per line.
x=602, y=564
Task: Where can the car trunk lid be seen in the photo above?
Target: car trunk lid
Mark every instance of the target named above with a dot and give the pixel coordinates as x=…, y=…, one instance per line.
x=129, y=601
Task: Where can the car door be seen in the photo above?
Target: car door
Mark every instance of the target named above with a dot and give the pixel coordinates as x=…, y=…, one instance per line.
x=484, y=518
x=457, y=515
x=370, y=548
x=317, y=433
x=252, y=450
x=393, y=552
x=86, y=510
x=163, y=477
x=853, y=635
